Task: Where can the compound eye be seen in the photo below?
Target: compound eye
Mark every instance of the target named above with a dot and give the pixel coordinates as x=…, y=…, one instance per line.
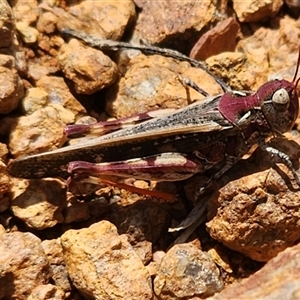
x=281, y=100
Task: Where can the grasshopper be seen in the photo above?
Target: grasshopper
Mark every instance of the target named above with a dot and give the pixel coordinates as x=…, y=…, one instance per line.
x=206, y=137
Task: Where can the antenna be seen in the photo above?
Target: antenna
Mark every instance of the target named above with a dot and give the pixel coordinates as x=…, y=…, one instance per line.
x=297, y=68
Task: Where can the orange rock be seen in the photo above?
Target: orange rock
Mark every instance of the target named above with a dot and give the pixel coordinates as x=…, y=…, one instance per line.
x=101, y=263
x=174, y=23
x=54, y=253
x=59, y=93
x=34, y=99
x=151, y=83
x=43, y=292
x=222, y=38
x=256, y=10
x=11, y=85
x=107, y=19
x=37, y=132
x=47, y=22
x=7, y=24
x=26, y=11
x=278, y=279
x=256, y=211
x=88, y=68
x=38, y=203
x=23, y=265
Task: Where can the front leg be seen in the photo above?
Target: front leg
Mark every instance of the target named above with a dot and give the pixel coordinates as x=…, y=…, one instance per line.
x=282, y=156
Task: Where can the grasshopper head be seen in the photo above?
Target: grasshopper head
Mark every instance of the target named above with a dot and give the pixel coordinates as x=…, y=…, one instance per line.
x=279, y=104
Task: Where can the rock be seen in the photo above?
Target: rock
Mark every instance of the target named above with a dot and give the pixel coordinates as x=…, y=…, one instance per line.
x=54, y=253
x=47, y=292
x=151, y=83
x=23, y=265
x=20, y=59
x=278, y=279
x=59, y=93
x=88, y=68
x=66, y=115
x=7, y=61
x=154, y=265
x=2, y=230
x=143, y=223
x=256, y=10
x=75, y=210
x=107, y=19
x=26, y=11
x=38, y=132
x=3, y=152
x=4, y=202
x=51, y=45
x=38, y=203
x=4, y=186
x=265, y=53
x=47, y=22
x=222, y=38
x=34, y=99
x=292, y=3
x=187, y=273
x=177, y=24
x=7, y=24
x=36, y=71
x=232, y=66
x=11, y=85
x=270, y=51
x=44, y=43
x=256, y=211
x=220, y=257
x=29, y=34
x=102, y=264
